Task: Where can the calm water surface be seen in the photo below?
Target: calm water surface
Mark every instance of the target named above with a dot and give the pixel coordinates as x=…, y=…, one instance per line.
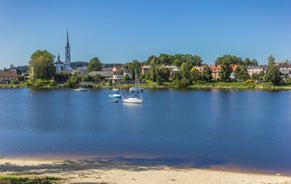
x=244, y=129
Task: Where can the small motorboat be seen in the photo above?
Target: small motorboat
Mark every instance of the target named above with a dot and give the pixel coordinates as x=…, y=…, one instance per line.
x=81, y=89
x=114, y=95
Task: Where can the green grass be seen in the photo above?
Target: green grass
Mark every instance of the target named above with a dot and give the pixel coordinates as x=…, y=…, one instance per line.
x=28, y=180
x=169, y=85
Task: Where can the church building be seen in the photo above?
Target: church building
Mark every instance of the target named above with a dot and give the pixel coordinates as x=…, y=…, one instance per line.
x=61, y=66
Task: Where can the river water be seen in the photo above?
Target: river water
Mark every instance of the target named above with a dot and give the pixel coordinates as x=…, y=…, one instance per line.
x=248, y=130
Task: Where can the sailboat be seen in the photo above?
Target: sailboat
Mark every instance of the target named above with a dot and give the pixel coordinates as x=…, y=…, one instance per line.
x=115, y=92
x=136, y=97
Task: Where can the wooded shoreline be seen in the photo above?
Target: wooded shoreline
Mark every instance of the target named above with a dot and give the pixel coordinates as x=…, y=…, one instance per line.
x=169, y=85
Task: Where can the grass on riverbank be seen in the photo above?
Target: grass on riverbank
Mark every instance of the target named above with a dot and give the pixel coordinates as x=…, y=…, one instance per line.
x=170, y=85
x=28, y=180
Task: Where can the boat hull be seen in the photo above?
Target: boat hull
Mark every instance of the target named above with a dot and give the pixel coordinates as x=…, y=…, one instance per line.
x=132, y=100
x=81, y=89
x=115, y=96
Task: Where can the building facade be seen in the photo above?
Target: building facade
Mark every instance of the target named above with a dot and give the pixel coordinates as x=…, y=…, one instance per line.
x=65, y=66
x=8, y=75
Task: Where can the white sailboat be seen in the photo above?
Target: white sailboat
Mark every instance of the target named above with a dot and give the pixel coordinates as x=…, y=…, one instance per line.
x=115, y=92
x=136, y=97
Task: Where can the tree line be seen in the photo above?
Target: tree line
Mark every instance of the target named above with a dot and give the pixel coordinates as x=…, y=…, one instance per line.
x=41, y=66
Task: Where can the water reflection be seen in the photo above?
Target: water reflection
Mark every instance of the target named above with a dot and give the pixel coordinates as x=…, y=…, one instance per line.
x=244, y=128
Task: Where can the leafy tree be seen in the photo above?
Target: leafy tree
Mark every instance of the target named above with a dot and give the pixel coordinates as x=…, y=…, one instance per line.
x=185, y=69
x=254, y=62
x=74, y=80
x=258, y=76
x=97, y=78
x=273, y=75
x=206, y=74
x=225, y=72
x=195, y=60
x=195, y=75
x=163, y=73
x=126, y=77
x=241, y=73
x=87, y=78
x=153, y=68
x=94, y=65
x=271, y=61
x=176, y=75
x=228, y=59
x=61, y=77
x=134, y=66
x=184, y=82
x=41, y=65
x=178, y=60
x=159, y=80
x=165, y=59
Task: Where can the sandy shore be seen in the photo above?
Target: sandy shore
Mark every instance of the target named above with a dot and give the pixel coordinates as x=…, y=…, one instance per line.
x=90, y=172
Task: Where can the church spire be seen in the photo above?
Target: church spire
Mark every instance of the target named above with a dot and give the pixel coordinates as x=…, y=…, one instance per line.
x=68, y=54
x=68, y=43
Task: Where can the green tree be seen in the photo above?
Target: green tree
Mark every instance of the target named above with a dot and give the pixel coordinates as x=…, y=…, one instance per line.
x=273, y=75
x=195, y=60
x=159, y=80
x=228, y=59
x=73, y=81
x=134, y=66
x=41, y=65
x=178, y=59
x=241, y=73
x=97, y=78
x=94, y=65
x=61, y=77
x=225, y=71
x=254, y=62
x=153, y=68
x=258, y=76
x=206, y=74
x=271, y=61
x=185, y=69
x=126, y=77
x=165, y=59
x=163, y=72
x=195, y=75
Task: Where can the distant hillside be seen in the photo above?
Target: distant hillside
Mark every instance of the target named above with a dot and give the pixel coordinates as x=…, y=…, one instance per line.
x=110, y=65
x=77, y=64
x=22, y=69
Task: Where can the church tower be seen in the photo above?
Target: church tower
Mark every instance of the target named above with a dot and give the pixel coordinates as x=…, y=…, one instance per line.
x=68, y=54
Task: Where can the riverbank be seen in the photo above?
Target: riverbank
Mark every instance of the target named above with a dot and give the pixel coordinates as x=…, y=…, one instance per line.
x=75, y=171
x=169, y=85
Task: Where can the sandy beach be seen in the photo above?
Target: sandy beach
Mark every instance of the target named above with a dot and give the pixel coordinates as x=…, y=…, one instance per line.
x=73, y=171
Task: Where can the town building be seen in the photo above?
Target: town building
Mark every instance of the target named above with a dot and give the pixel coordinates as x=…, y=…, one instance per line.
x=145, y=69
x=256, y=69
x=9, y=75
x=215, y=70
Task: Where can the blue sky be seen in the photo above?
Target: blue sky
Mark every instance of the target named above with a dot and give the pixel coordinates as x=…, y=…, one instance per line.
x=119, y=31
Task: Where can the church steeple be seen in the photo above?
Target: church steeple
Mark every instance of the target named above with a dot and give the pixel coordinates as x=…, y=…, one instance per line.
x=59, y=59
x=68, y=43
x=68, y=54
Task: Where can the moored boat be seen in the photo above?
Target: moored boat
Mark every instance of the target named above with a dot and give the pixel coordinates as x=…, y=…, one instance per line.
x=81, y=89
x=132, y=100
x=114, y=95
x=136, y=96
